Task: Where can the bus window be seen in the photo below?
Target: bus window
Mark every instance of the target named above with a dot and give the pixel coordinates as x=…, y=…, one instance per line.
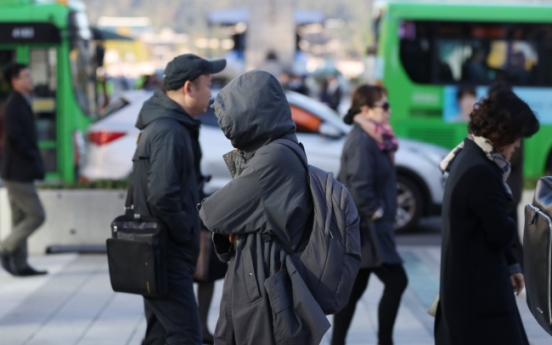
x=487, y=61
x=43, y=66
x=476, y=53
x=415, y=53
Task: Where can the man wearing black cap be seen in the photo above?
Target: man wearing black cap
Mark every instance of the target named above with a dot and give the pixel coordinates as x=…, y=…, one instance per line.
x=166, y=180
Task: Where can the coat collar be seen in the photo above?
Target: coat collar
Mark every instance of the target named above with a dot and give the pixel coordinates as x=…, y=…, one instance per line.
x=159, y=106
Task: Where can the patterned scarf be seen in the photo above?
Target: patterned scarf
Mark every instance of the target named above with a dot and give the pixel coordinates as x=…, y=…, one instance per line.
x=382, y=134
x=390, y=142
x=490, y=152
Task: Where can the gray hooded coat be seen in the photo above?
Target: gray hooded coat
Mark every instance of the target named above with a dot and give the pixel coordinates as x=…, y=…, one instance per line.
x=265, y=301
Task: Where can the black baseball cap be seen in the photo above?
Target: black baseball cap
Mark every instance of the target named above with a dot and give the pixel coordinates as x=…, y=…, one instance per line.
x=188, y=67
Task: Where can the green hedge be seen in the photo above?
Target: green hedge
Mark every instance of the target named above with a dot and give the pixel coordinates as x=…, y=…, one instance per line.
x=100, y=184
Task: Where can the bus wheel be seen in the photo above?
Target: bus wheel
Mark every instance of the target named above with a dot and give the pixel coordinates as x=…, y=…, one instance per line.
x=409, y=205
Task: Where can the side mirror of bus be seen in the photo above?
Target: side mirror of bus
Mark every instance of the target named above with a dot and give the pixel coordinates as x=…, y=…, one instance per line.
x=329, y=131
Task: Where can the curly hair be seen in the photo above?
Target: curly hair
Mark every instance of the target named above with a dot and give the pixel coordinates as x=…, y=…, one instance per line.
x=503, y=117
x=364, y=95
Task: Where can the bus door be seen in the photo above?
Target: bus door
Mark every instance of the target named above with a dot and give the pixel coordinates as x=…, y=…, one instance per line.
x=38, y=45
x=43, y=65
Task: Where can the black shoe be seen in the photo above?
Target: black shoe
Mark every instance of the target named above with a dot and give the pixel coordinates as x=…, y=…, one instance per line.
x=208, y=338
x=29, y=271
x=6, y=264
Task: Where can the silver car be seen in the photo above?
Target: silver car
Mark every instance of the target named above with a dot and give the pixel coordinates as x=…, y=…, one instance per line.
x=319, y=128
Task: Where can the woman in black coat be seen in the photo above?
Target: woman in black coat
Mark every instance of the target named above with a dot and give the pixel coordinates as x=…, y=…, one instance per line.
x=479, y=273
x=368, y=172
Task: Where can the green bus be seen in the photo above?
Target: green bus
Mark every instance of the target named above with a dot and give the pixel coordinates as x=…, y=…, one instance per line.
x=437, y=59
x=54, y=39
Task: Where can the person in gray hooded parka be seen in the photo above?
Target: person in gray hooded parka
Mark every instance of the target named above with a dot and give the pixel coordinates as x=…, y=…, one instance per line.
x=267, y=203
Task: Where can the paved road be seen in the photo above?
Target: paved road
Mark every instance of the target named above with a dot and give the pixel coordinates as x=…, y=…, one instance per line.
x=74, y=305
x=428, y=233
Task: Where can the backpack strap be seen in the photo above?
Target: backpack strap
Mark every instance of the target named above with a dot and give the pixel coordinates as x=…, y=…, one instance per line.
x=293, y=146
x=329, y=204
x=329, y=182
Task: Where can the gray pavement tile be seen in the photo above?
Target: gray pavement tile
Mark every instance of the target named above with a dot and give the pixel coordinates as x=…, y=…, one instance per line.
x=70, y=323
x=75, y=305
x=23, y=323
x=421, y=280
x=13, y=291
x=139, y=332
x=117, y=323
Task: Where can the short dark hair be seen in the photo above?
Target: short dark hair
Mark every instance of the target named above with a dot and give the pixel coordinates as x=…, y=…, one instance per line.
x=364, y=95
x=12, y=71
x=167, y=87
x=502, y=117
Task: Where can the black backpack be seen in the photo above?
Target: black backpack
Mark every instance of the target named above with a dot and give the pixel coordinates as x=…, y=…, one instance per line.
x=330, y=259
x=537, y=254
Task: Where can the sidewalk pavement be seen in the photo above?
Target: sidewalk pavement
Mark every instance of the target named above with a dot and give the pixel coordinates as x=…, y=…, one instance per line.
x=74, y=305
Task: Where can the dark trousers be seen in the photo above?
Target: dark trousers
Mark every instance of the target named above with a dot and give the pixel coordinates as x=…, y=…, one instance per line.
x=395, y=281
x=174, y=319
x=27, y=216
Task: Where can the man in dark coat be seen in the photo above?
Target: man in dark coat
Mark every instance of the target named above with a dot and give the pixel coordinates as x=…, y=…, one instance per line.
x=477, y=303
x=268, y=203
x=21, y=166
x=333, y=92
x=165, y=181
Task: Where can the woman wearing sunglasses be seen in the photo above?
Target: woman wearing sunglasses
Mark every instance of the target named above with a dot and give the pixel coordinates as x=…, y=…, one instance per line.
x=368, y=171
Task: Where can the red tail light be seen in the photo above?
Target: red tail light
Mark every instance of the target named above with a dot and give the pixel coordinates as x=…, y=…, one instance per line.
x=104, y=137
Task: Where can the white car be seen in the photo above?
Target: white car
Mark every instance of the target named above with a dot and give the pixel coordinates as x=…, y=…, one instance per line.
x=112, y=140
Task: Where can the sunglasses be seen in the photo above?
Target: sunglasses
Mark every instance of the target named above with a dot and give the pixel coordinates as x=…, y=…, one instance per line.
x=385, y=106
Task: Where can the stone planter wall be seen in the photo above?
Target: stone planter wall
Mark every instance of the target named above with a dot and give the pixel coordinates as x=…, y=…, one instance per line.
x=73, y=217
x=83, y=217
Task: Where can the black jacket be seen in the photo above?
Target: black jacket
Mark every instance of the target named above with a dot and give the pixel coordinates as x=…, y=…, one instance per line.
x=268, y=198
x=477, y=304
x=370, y=177
x=166, y=173
x=21, y=160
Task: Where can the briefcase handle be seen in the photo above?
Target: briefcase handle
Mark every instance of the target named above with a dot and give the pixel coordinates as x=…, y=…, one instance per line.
x=129, y=203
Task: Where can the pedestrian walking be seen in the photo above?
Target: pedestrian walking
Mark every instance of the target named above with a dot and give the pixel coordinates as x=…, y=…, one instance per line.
x=479, y=272
x=21, y=166
x=267, y=205
x=165, y=184
x=368, y=172
x=331, y=92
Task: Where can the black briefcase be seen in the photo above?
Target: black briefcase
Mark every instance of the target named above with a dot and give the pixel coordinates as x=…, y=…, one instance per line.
x=137, y=254
x=537, y=254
